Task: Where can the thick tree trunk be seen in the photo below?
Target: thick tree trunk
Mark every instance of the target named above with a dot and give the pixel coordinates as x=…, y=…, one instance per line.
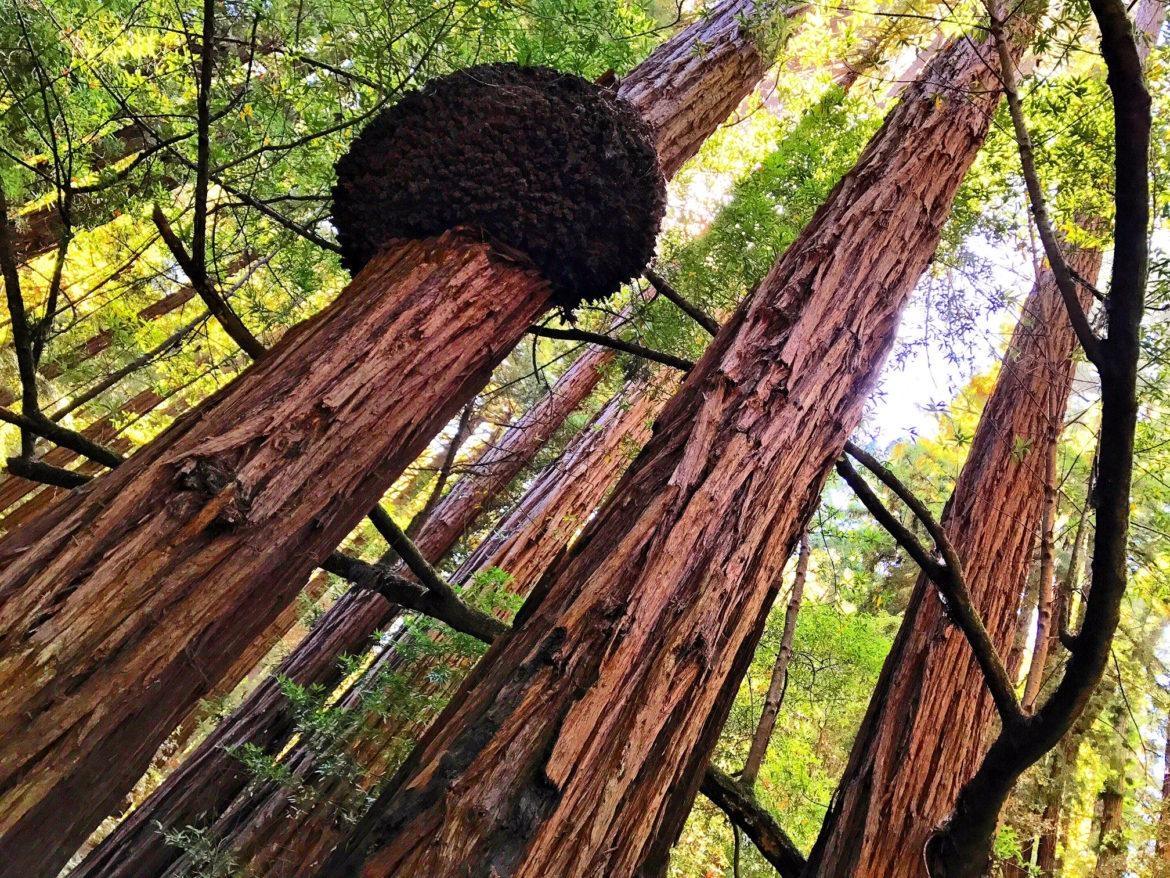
x=212, y=776
x=779, y=682
x=267, y=832
x=123, y=604
x=921, y=738
x=263, y=481
x=576, y=746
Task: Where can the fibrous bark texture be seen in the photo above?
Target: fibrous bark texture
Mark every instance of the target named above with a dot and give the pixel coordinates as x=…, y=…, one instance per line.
x=212, y=776
x=921, y=738
x=691, y=83
x=541, y=161
x=272, y=830
x=576, y=746
x=122, y=605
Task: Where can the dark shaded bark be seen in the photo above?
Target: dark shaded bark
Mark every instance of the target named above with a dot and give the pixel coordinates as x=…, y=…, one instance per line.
x=577, y=745
x=738, y=803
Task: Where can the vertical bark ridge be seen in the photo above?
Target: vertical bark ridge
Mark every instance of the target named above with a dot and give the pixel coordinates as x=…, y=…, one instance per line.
x=271, y=831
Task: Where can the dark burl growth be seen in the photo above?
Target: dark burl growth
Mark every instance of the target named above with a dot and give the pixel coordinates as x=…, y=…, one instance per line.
x=537, y=160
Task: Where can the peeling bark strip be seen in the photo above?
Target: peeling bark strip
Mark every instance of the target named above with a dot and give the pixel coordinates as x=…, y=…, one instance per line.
x=576, y=746
x=121, y=606
x=269, y=835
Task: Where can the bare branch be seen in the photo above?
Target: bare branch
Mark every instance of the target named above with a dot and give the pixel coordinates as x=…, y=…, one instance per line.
x=1065, y=281
x=37, y=424
x=745, y=812
x=671, y=294
x=197, y=273
x=45, y=473
x=616, y=343
x=948, y=577
x=443, y=605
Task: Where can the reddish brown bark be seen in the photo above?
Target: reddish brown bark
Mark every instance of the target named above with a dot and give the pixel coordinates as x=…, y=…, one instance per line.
x=205, y=785
x=920, y=739
x=122, y=605
x=577, y=745
x=267, y=832
x=673, y=68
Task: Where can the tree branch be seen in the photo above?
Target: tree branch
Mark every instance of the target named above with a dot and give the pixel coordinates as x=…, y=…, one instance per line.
x=442, y=604
x=1065, y=281
x=196, y=272
x=45, y=473
x=616, y=343
x=671, y=294
x=757, y=824
x=39, y=425
x=948, y=576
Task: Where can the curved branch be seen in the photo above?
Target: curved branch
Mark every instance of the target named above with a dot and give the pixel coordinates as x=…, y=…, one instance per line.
x=617, y=344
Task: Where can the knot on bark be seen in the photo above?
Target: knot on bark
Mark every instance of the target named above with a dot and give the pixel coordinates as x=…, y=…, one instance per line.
x=539, y=161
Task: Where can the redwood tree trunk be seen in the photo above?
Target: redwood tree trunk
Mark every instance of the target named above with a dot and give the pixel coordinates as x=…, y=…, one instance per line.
x=265, y=831
x=920, y=740
x=258, y=485
x=576, y=746
x=205, y=784
x=121, y=605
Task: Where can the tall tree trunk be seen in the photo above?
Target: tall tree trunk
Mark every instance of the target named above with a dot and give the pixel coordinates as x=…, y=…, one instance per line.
x=271, y=831
x=778, y=685
x=576, y=746
x=124, y=603
x=1111, y=841
x=1061, y=767
x=259, y=484
x=921, y=737
x=1047, y=588
x=212, y=775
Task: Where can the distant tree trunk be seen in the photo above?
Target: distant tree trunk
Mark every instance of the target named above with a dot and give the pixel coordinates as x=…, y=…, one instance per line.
x=271, y=831
x=922, y=736
x=1111, y=841
x=1162, y=835
x=1061, y=766
x=212, y=776
x=1047, y=588
x=576, y=746
x=259, y=484
x=778, y=685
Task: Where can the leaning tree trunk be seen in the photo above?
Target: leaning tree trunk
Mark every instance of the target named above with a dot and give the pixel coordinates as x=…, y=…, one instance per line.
x=576, y=746
x=121, y=604
x=920, y=741
x=205, y=784
x=271, y=830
